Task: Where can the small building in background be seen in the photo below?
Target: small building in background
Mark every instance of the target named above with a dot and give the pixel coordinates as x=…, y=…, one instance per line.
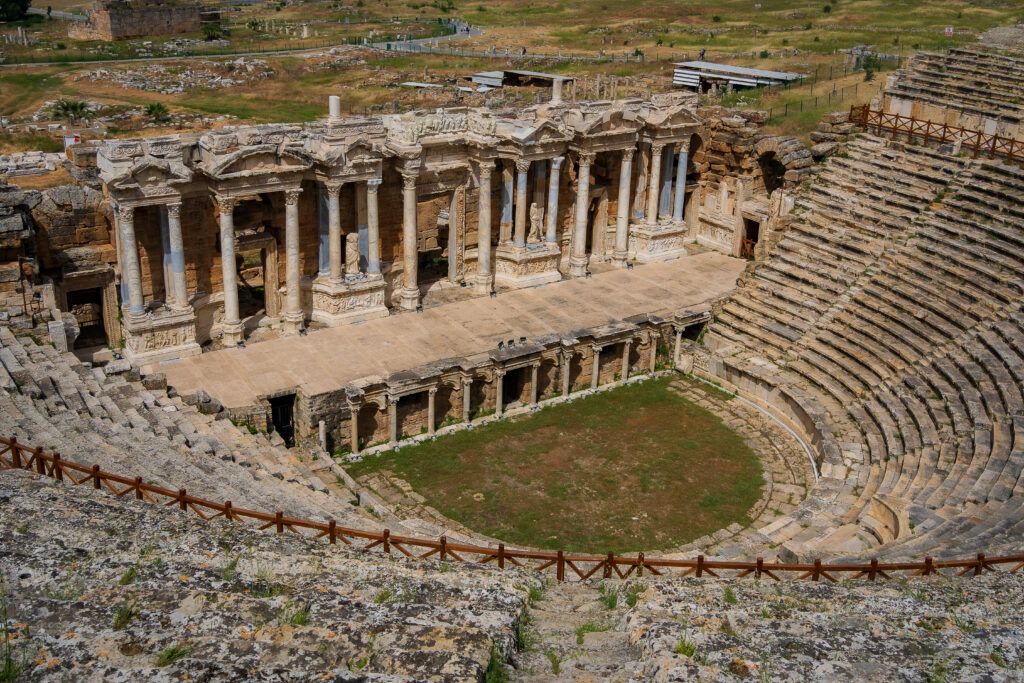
x=488, y=80
x=703, y=76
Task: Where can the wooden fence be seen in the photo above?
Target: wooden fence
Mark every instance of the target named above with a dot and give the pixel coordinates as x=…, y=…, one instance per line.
x=14, y=455
x=930, y=131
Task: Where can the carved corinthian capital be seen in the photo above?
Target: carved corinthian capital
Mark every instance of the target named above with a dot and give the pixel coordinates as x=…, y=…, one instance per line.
x=226, y=203
x=586, y=158
x=523, y=165
x=291, y=197
x=627, y=154
x=125, y=214
x=174, y=210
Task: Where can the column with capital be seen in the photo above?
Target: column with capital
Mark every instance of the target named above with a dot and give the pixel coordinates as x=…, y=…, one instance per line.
x=179, y=286
x=334, y=229
x=231, y=325
x=534, y=379
x=522, y=213
x=552, y=214
x=680, y=198
x=410, y=249
x=392, y=420
x=566, y=372
x=293, y=317
x=595, y=367
x=359, y=261
x=431, y=410
x=578, y=257
x=499, y=392
x=467, y=398
x=484, y=275
x=130, y=271
x=627, y=347
x=667, y=163
x=353, y=411
x=622, y=224
x=655, y=180
x=373, y=227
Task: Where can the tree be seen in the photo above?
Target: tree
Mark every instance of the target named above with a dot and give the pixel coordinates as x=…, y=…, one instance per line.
x=212, y=32
x=72, y=110
x=157, y=112
x=12, y=10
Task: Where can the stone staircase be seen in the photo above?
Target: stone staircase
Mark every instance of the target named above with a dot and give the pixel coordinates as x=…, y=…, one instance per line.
x=110, y=418
x=910, y=354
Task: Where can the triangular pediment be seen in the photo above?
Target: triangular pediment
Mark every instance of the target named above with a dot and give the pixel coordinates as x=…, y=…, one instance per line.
x=265, y=159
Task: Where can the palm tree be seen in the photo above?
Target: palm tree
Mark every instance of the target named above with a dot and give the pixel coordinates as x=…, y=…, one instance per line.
x=71, y=110
x=157, y=112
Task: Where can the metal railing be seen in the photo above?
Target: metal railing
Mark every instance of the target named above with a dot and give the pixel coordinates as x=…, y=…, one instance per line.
x=14, y=455
x=975, y=141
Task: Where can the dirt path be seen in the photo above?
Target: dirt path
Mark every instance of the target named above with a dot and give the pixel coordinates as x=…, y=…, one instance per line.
x=574, y=636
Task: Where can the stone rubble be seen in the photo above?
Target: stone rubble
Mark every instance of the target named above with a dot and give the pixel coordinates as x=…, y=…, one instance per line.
x=171, y=79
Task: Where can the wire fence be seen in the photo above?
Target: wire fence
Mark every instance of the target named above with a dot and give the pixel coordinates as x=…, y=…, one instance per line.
x=14, y=455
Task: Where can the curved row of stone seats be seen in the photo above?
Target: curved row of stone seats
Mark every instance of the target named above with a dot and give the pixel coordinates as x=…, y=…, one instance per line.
x=916, y=365
x=857, y=208
x=49, y=399
x=110, y=585
x=976, y=80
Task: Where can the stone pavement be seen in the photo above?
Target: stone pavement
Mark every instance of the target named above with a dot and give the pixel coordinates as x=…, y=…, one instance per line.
x=328, y=359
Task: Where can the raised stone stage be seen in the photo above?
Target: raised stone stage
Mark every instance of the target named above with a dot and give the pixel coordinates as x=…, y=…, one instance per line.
x=329, y=359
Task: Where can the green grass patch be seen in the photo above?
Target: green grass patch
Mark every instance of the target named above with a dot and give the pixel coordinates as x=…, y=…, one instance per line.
x=635, y=468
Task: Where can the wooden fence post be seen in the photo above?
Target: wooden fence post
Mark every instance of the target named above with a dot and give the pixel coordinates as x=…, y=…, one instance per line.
x=560, y=567
x=608, y=564
x=444, y=547
x=980, y=567
x=15, y=453
x=816, y=573
x=37, y=452
x=227, y=510
x=182, y=494
x=95, y=476
x=58, y=468
x=387, y=541
x=501, y=556
x=332, y=530
x=700, y=566
x=279, y=521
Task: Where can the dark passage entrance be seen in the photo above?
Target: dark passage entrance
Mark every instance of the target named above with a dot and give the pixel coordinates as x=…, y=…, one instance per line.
x=87, y=307
x=512, y=386
x=282, y=412
x=752, y=231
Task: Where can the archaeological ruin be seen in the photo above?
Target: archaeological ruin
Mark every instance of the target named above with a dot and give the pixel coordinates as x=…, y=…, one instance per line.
x=120, y=19
x=230, y=317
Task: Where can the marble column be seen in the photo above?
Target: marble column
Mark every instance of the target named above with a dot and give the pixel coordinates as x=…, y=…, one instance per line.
x=578, y=257
x=130, y=271
x=654, y=181
x=324, y=228
x=467, y=398
x=566, y=373
x=353, y=410
x=178, y=283
x=665, y=200
x=540, y=189
x=552, y=213
x=410, y=250
x=680, y=198
x=627, y=346
x=652, y=363
x=622, y=225
x=293, y=317
x=372, y=227
x=231, y=325
x=640, y=200
x=507, y=190
x=358, y=261
x=595, y=367
x=392, y=420
x=678, y=345
x=534, y=377
x=334, y=229
x=484, y=276
x=522, y=212
x=431, y=410
x=499, y=392
x=165, y=251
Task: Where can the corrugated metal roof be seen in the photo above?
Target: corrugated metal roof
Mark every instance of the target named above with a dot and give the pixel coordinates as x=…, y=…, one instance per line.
x=713, y=68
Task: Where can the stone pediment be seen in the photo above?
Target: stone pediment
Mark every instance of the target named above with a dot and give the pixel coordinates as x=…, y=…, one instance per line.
x=260, y=160
x=152, y=176
x=545, y=131
x=671, y=117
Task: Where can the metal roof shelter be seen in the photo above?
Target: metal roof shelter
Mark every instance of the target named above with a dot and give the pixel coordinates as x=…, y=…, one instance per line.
x=700, y=75
x=497, y=79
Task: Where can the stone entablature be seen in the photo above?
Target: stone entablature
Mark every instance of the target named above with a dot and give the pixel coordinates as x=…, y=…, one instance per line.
x=549, y=190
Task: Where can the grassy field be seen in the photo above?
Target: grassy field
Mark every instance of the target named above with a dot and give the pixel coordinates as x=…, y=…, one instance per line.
x=636, y=468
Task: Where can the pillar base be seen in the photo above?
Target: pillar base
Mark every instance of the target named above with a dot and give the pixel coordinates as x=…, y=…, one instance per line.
x=410, y=298
x=619, y=258
x=163, y=335
x=578, y=266
x=657, y=242
x=529, y=266
x=484, y=283
x=352, y=299
x=292, y=323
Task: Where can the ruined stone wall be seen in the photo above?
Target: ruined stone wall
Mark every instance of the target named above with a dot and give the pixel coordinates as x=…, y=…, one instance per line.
x=114, y=20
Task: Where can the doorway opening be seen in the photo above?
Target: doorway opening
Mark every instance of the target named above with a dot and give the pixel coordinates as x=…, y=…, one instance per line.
x=751, y=233
x=87, y=307
x=282, y=417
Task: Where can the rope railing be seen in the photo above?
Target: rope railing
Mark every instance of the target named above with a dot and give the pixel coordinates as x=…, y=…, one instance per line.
x=14, y=455
x=931, y=131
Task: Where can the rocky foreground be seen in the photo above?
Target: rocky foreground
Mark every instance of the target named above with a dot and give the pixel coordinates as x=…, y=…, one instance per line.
x=102, y=588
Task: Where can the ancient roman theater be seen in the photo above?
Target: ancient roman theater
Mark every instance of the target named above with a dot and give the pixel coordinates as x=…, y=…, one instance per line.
x=257, y=347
